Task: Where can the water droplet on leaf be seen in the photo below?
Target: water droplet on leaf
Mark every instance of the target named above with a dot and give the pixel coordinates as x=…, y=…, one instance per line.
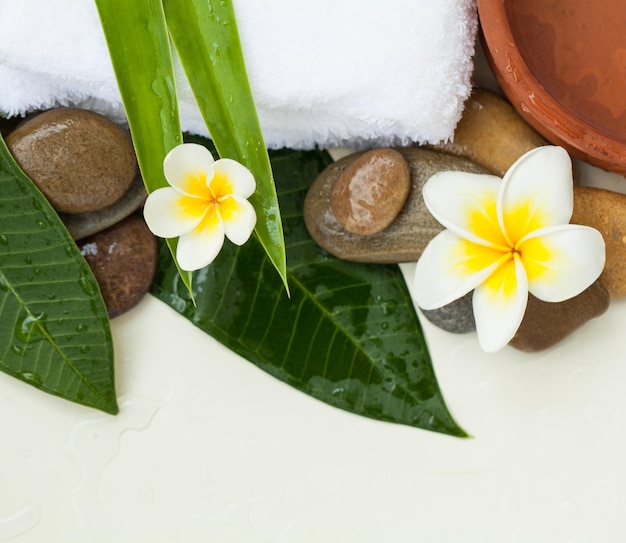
x=30, y=328
x=31, y=378
x=87, y=284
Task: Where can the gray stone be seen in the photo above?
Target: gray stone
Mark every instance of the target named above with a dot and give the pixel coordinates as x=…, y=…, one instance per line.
x=456, y=317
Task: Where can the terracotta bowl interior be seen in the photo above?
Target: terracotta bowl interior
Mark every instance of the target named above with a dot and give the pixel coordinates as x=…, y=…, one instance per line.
x=562, y=64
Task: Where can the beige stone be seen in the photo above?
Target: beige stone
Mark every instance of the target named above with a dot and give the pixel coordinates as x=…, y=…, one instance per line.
x=491, y=133
x=606, y=212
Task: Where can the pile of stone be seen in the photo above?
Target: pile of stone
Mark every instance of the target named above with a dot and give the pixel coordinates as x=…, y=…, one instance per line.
x=368, y=207
x=85, y=165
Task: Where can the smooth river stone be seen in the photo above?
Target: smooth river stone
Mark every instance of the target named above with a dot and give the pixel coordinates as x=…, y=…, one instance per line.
x=123, y=259
x=456, y=317
x=81, y=225
x=406, y=237
x=545, y=323
x=369, y=194
x=491, y=133
x=80, y=160
x=606, y=212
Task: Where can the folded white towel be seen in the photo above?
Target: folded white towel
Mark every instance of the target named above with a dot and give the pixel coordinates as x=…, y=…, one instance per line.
x=323, y=73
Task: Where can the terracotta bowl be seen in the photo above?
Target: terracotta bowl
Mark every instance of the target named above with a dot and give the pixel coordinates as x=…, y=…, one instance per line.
x=562, y=64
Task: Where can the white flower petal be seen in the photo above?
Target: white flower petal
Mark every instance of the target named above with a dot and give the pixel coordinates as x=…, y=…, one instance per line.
x=466, y=204
x=449, y=268
x=239, y=218
x=187, y=163
x=240, y=177
x=536, y=192
x=198, y=248
x=167, y=214
x=562, y=261
x=499, y=305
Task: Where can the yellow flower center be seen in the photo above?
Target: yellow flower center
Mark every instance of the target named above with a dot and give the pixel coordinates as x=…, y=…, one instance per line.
x=207, y=199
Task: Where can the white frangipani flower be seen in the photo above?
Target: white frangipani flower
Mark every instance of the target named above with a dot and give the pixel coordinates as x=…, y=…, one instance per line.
x=504, y=239
x=206, y=201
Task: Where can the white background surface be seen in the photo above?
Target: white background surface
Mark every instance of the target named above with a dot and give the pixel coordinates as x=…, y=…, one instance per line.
x=209, y=448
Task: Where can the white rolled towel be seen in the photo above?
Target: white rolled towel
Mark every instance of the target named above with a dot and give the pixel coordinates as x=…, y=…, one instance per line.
x=324, y=73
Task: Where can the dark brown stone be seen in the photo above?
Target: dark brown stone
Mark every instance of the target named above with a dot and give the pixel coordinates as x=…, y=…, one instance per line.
x=369, y=194
x=81, y=161
x=545, y=324
x=123, y=260
x=406, y=237
x=8, y=125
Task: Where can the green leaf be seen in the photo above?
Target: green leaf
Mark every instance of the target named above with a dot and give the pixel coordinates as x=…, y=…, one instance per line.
x=207, y=41
x=348, y=336
x=54, y=328
x=138, y=44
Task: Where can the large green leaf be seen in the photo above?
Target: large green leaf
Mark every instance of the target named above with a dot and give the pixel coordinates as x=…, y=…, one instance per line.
x=54, y=329
x=138, y=43
x=207, y=40
x=349, y=334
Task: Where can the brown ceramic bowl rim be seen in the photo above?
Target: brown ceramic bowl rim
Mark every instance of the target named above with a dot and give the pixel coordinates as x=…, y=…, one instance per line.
x=545, y=114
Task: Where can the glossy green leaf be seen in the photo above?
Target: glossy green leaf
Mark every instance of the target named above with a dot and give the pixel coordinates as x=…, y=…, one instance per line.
x=138, y=43
x=54, y=329
x=349, y=335
x=207, y=41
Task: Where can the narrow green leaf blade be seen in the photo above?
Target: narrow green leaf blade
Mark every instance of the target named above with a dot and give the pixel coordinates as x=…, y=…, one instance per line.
x=138, y=43
x=207, y=41
x=54, y=328
x=349, y=334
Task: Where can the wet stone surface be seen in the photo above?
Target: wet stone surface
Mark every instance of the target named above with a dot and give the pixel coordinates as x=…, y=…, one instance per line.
x=406, y=237
x=123, y=259
x=81, y=161
x=368, y=195
x=81, y=225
